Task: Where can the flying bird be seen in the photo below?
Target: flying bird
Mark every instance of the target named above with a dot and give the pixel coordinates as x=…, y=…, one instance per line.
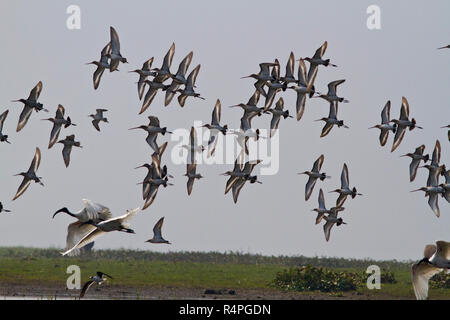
x=157, y=234
x=178, y=79
x=262, y=76
x=241, y=178
x=433, y=193
x=322, y=210
x=304, y=86
x=385, y=125
x=188, y=90
x=416, y=157
x=193, y=148
x=29, y=104
x=402, y=123
x=436, y=259
x=251, y=107
x=3, y=137
x=158, y=177
x=434, y=169
x=215, y=128
x=164, y=72
x=144, y=73
x=115, y=55
x=331, y=220
x=58, y=121
x=331, y=95
x=191, y=173
x=345, y=190
x=101, y=65
x=98, y=116
x=317, y=60
x=153, y=129
x=68, y=143
x=277, y=113
x=30, y=175
x=314, y=174
x=289, y=75
x=121, y=223
x=331, y=120
x=98, y=278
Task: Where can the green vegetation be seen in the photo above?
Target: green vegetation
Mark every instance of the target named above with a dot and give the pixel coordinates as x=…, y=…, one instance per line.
x=308, y=278
x=232, y=270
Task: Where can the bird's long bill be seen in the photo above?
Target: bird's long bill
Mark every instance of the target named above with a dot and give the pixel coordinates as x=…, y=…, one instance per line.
x=60, y=210
x=134, y=128
x=372, y=127
x=416, y=190
x=246, y=77
x=140, y=166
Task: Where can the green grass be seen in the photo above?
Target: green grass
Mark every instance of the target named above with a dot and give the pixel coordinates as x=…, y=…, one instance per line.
x=187, y=269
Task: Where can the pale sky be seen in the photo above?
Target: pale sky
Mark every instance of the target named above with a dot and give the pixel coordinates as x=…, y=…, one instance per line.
x=229, y=40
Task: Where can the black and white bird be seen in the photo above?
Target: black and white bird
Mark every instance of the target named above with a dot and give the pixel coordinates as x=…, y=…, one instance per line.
x=121, y=223
x=98, y=279
x=314, y=174
x=157, y=234
x=30, y=175
x=29, y=104
x=3, y=137
x=436, y=259
x=58, y=121
x=98, y=116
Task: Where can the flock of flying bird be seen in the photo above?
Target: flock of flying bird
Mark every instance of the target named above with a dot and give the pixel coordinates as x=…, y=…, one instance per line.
x=94, y=219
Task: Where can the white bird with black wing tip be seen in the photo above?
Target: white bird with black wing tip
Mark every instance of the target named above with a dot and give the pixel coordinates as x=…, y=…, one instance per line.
x=436, y=259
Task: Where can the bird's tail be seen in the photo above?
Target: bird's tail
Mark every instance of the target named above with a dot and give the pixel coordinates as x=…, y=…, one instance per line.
x=426, y=158
x=225, y=128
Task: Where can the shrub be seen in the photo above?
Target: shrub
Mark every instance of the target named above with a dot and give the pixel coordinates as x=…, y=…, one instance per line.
x=308, y=278
x=440, y=280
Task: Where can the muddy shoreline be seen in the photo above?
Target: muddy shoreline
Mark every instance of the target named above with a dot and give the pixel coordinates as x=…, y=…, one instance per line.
x=114, y=292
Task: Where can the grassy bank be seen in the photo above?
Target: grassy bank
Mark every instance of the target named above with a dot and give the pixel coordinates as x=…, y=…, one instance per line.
x=186, y=269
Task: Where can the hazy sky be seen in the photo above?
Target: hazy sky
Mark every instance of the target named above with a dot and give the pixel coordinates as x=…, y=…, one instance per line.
x=229, y=40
